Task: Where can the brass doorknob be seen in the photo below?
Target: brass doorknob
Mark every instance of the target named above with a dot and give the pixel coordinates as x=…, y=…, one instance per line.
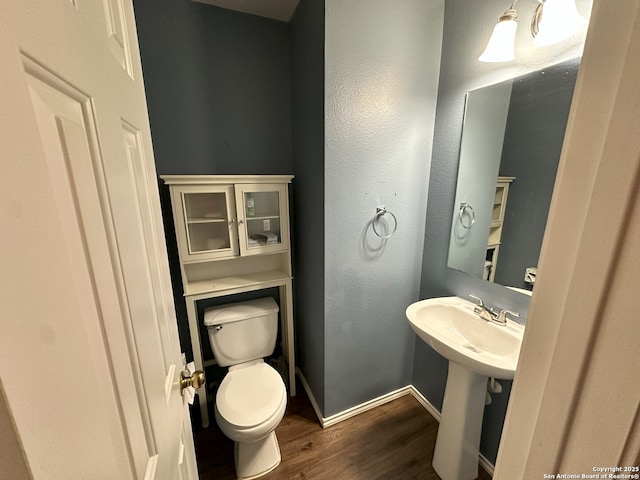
x=188, y=379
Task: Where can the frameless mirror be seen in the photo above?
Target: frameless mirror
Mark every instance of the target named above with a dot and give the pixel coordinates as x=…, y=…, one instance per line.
x=511, y=142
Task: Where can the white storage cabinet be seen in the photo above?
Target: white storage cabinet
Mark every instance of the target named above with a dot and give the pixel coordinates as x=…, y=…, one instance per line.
x=233, y=237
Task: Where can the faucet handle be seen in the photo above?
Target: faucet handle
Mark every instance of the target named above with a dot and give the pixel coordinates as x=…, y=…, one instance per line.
x=475, y=297
x=502, y=315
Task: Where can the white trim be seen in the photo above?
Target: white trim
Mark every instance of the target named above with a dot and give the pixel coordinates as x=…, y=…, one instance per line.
x=363, y=407
x=376, y=402
x=486, y=464
x=433, y=411
x=353, y=411
x=152, y=468
x=223, y=179
x=312, y=399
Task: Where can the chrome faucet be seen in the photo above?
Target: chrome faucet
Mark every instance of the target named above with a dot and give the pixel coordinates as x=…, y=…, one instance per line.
x=488, y=314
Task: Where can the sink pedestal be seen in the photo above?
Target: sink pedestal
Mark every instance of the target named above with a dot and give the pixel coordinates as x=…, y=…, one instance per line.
x=458, y=441
x=476, y=350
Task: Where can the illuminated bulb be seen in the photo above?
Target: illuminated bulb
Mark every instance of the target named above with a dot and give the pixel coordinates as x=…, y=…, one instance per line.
x=555, y=21
x=501, y=44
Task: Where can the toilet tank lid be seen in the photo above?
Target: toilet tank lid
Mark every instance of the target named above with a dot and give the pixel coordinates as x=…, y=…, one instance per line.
x=233, y=312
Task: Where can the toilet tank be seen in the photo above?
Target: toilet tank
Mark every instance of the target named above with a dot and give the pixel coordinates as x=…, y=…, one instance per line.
x=243, y=331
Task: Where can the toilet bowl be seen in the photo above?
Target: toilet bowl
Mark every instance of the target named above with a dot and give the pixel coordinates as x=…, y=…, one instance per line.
x=252, y=398
x=250, y=403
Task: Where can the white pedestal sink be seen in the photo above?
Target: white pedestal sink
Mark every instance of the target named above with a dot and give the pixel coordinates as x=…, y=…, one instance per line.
x=476, y=350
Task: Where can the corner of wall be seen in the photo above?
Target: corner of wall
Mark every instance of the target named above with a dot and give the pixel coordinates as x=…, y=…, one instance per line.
x=307, y=73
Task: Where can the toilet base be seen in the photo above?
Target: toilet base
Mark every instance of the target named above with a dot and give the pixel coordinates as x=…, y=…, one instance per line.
x=254, y=459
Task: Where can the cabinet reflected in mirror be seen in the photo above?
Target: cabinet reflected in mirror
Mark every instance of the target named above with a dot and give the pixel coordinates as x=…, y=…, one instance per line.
x=510, y=147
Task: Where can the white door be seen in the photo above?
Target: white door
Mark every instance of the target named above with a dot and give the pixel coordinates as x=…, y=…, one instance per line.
x=89, y=351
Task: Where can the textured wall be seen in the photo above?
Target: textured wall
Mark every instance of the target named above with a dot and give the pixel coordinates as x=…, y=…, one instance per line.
x=307, y=86
x=381, y=74
x=467, y=28
x=218, y=88
x=219, y=100
x=533, y=141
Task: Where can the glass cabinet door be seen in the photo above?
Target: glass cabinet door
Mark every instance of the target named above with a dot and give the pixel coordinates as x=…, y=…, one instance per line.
x=262, y=222
x=208, y=217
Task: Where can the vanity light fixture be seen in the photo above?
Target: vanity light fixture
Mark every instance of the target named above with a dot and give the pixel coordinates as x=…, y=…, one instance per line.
x=501, y=44
x=552, y=22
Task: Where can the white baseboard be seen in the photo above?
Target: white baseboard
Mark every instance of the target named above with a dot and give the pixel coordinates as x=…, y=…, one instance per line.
x=433, y=411
x=363, y=407
x=312, y=399
x=376, y=402
x=353, y=411
x=486, y=464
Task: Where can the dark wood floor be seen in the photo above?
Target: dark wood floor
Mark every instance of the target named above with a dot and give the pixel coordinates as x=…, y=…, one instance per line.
x=393, y=441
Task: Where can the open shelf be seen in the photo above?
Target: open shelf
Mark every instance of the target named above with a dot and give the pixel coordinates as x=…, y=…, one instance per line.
x=235, y=282
x=233, y=237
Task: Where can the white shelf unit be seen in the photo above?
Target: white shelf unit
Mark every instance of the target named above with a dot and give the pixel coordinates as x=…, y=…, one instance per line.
x=495, y=228
x=233, y=237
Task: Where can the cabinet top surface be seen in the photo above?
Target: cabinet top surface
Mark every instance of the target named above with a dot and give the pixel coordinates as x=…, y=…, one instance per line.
x=223, y=179
x=506, y=179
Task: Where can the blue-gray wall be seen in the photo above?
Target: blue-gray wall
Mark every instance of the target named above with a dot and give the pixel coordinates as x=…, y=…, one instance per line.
x=307, y=70
x=221, y=101
x=467, y=28
x=364, y=87
x=218, y=88
x=381, y=77
x=538, y=114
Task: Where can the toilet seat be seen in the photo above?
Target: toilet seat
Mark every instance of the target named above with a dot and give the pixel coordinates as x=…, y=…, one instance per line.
x=250, y=395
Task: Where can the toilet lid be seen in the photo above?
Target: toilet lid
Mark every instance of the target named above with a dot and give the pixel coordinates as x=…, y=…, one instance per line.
x=250, y=396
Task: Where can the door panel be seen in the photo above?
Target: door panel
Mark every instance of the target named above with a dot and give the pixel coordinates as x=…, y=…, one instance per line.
x=85, y=275
x=118, y=38
x=62, y=114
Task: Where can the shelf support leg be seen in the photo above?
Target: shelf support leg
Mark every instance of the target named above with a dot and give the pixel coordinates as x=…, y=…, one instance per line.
x=286, y=315
x=194, y=332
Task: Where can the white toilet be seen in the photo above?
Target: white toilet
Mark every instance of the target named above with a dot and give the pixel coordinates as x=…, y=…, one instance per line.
x=252, y=397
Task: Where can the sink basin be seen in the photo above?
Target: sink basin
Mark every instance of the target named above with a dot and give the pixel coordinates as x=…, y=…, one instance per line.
x=449, y=326
x=476, y=350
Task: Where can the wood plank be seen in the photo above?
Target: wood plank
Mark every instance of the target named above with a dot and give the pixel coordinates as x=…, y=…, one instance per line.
x=392, y=441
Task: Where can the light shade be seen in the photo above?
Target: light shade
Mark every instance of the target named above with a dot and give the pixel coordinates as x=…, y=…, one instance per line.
x=501, y=44
x=554, y=21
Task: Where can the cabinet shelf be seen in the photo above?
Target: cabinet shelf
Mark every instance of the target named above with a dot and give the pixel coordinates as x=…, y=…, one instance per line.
x=495, y=226
x=207, y=220
x=263, y=217
x=235, y=282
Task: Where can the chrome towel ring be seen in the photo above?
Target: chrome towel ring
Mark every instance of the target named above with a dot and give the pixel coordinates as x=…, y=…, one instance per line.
x=465, y=207
x=380, y=211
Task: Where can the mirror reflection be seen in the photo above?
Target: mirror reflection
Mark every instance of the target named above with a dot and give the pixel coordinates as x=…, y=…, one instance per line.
x=511, y=143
